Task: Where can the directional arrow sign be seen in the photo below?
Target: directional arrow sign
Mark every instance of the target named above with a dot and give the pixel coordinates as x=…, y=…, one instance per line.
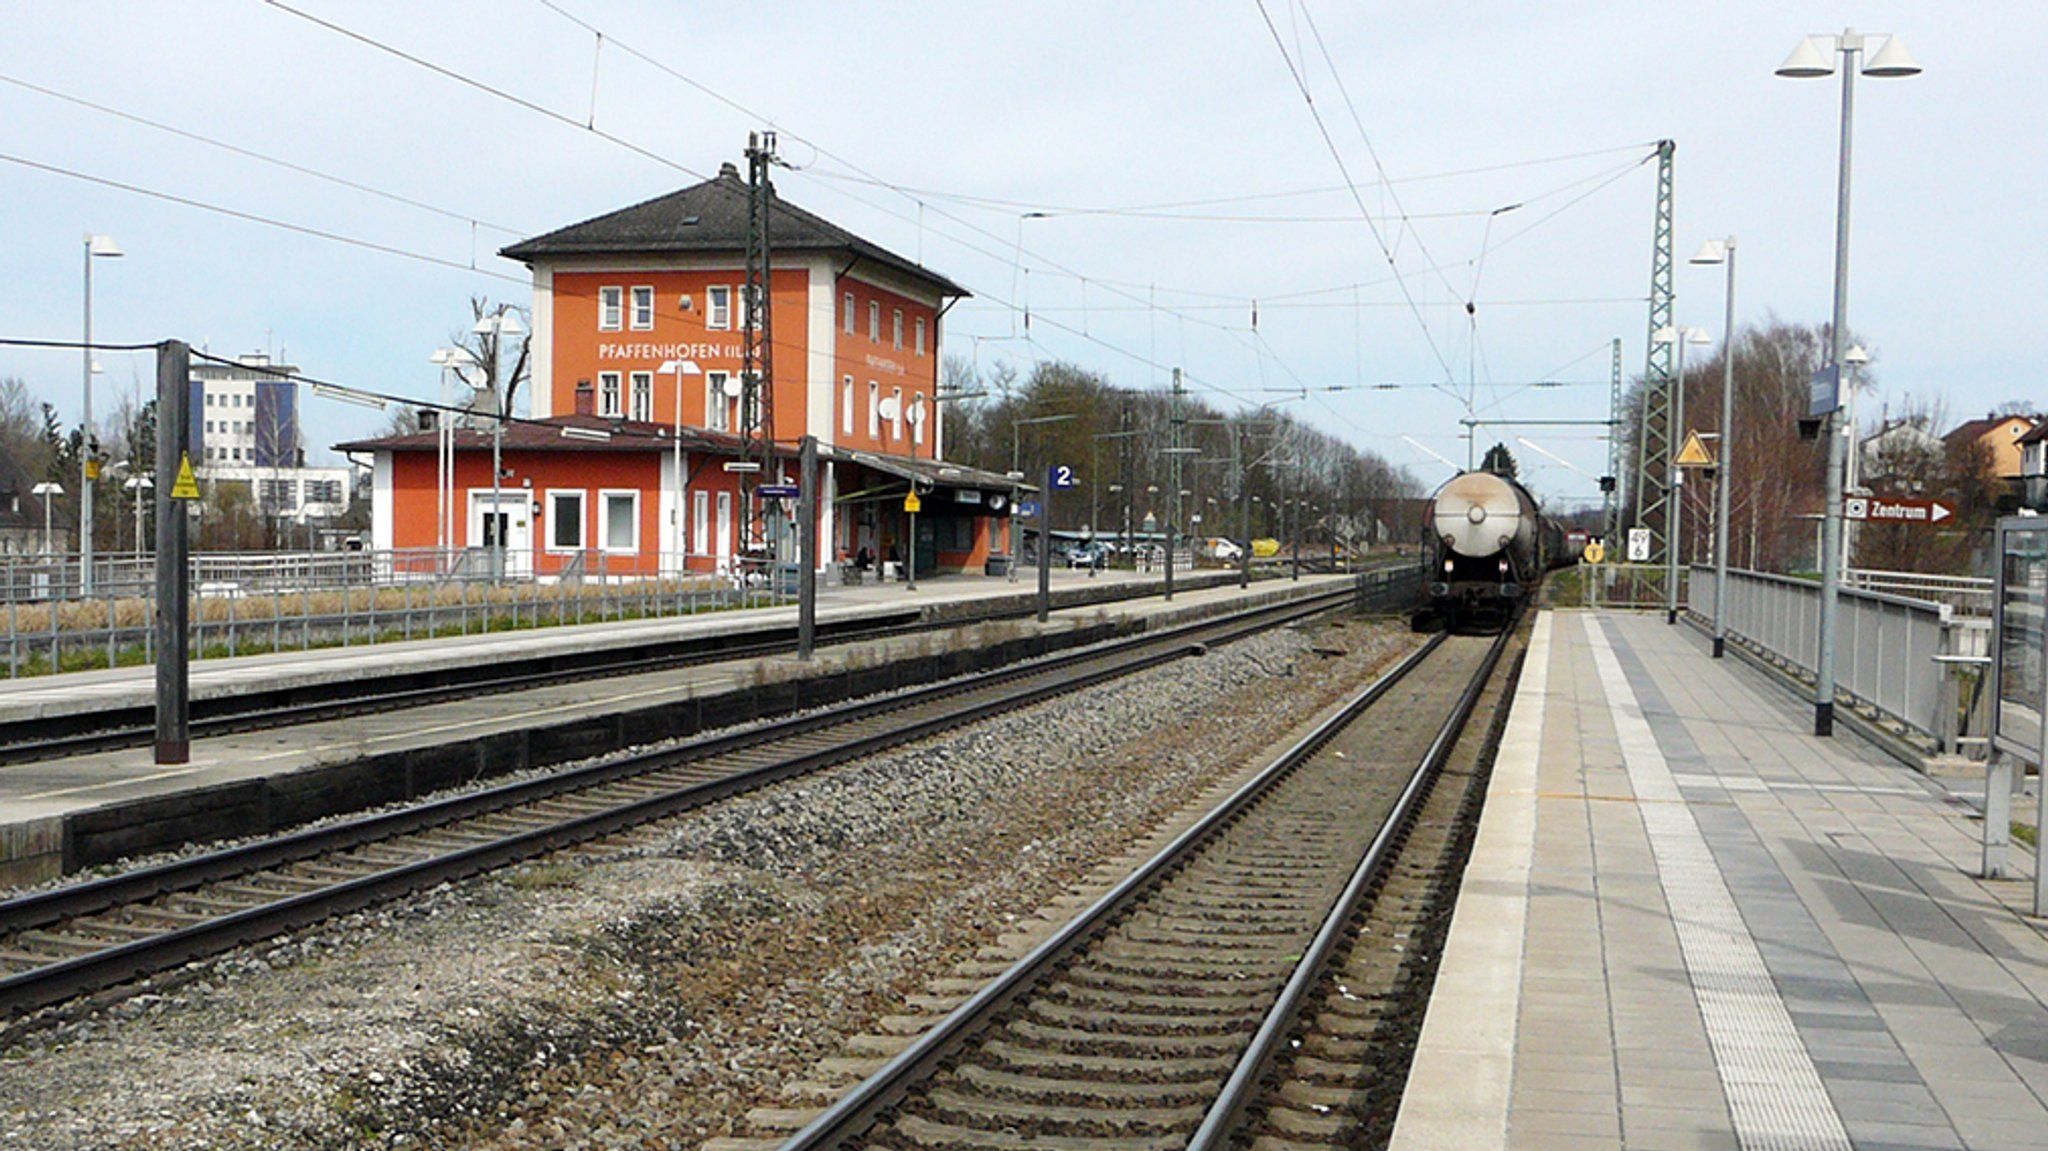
x=1888, y=510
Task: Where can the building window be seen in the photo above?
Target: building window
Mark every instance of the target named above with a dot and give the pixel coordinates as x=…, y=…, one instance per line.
x=896, y=329
x=917, y=416
x=874, y=410
x=209, y=399
x=608, y=394
x=846, y=406
x=718, y=308
x=920, y=335
x=643, y=396
x=848, y=309
x=717, y=405
x=643, y=309
x=565, y=521
x=700, y=526
x=874, y=321
x=896, y=416
x=323, y=491
x=620, y=528
x=609, y=305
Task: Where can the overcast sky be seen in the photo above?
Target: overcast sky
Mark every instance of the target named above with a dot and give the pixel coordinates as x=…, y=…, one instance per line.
x=1185, y=185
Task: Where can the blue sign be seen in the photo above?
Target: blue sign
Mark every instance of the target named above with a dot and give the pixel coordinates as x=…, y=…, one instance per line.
x=1825, y=391
x=777, y=491
x=1061, y=478
x=1028, y=508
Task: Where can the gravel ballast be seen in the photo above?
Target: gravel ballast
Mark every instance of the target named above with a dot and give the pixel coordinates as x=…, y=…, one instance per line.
x=648, y=990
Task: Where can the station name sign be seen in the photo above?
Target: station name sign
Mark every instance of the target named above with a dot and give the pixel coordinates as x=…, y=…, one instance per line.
x=653, y=351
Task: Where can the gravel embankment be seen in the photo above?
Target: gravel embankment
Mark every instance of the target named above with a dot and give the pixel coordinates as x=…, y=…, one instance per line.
x=646, y=992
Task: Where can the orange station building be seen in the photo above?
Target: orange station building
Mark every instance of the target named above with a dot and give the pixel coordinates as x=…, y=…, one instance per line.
x=626, y=461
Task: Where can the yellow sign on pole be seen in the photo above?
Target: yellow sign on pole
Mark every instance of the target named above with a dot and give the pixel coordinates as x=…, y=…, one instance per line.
x=1694, y=454
x=911, y=503
x=92, y=469
x=1596, y=552
x=187, y=487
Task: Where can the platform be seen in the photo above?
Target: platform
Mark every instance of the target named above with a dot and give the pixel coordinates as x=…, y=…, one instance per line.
x=1688, y=923
x=57, y=816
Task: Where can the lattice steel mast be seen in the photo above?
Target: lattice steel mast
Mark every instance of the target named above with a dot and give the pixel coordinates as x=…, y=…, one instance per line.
x=1653, y=436
x=757, y=369
x=1610, y=509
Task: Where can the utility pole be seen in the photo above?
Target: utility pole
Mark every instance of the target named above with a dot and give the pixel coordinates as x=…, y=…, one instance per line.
x=757, y=370
x=173, y=573
x=807, y=545
x=1173, y=517
x=1241, y=482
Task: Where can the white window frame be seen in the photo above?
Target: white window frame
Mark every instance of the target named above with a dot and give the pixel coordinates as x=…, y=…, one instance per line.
x=611, y=308
x=896, y=421
x=610, y=395
x=874, y=410
x=920, y=335
x=641, y=397
x=717, y=405
x=643, y=307
x=846, y=406
x=554, y=498
x=605, y=542
x=850, y=314
x=917, y=425
x=718, y=307
x=896, y=328
x=874, y=321
x=700, y=522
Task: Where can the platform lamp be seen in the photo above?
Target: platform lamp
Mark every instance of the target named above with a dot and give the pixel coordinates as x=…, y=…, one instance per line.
x=679, y=369
x=1808, y=63
x=1723, y=252
x=1679, y=337
x=101, y=247
x=494, y=328
x=46, y=489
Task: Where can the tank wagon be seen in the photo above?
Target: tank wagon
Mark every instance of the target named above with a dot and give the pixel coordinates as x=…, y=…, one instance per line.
x=1486, y=546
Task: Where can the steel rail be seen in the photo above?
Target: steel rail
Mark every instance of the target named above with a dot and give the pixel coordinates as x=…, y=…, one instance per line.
x=854, y=1112
x=1219, y=1123
x=69, y=978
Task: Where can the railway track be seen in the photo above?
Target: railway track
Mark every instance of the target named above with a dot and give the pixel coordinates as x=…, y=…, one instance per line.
x=1156, y=1018
x=82, y=938
x=59, y=736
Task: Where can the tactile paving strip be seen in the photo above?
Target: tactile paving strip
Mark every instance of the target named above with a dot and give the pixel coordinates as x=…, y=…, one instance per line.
x=1775, y=1095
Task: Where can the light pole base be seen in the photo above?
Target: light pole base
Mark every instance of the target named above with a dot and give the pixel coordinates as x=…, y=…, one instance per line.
x=1824, y=719
x=1720, y=647
x=1671, y=616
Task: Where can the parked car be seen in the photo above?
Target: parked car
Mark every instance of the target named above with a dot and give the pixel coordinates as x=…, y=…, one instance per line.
x=1094, y=554
x=1219, y=549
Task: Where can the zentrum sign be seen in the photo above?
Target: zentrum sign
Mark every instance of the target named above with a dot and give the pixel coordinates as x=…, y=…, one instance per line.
x=1883, y=509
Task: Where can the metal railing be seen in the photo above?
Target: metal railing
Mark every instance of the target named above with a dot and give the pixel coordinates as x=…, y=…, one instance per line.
x=1972, y=595
x=1894, y=654
x=247, y=604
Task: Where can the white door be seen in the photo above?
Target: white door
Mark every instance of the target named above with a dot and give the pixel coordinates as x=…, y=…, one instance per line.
x=509, y=524
x=724, y=540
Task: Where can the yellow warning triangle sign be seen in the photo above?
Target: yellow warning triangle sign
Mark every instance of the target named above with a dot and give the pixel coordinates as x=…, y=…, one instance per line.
x=187, y=487
x=1694, y=453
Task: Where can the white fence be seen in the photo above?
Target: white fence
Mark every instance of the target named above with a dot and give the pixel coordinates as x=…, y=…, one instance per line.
x=1897, y=654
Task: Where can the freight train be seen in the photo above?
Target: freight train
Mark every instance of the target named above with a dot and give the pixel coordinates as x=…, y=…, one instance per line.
x=1486, y=547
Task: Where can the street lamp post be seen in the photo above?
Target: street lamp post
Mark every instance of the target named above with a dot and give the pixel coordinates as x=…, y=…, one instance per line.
x=103, y=247
x=1680, y=336
x=1807, y=62
x=1723, y=252
x=679, y=369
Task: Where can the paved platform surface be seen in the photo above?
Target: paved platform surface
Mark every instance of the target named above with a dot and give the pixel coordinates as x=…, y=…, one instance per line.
x=1688, y=923
x=36, y=799
x=135, y=686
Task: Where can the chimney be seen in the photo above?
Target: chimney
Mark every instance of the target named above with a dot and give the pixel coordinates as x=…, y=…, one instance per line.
x=586, y=399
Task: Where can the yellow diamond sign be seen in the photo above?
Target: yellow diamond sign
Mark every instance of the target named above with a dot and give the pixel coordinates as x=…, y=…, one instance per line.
x=1694, y=454
x=911, y=503
x=187, y=487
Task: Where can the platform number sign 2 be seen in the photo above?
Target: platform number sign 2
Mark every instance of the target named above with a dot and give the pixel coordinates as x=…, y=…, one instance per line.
x=1060, y=478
